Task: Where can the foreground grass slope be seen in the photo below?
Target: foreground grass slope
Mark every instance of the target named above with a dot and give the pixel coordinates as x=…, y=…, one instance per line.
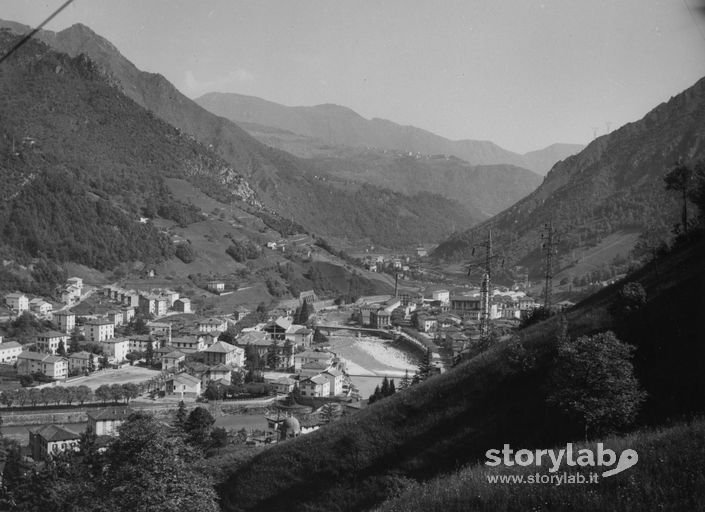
x=670, y=475
x=451, y=420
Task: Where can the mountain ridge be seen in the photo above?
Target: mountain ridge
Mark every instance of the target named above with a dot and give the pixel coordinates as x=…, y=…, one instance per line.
x=615, y=183
x=374, y=132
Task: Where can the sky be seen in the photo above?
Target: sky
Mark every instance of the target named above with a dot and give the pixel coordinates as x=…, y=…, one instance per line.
x=521, y=73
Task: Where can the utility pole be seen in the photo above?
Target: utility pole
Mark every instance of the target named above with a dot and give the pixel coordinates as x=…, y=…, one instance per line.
x=550, y=239
x=485, y=288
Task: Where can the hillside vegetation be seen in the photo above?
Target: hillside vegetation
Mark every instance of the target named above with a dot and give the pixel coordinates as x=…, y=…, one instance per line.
x=668, y=476
x=498, y=397
x=286, y=186
x=614, y=184
x=81, y=163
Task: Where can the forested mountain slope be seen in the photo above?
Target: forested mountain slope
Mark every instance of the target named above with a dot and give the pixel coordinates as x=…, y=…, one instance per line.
x=614, y=184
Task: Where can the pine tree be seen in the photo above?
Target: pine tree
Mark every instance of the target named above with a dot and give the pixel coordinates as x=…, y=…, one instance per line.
x=392, y=387
x=385, y=387
x=181, y=415
x=61, y=349
x=149, y=353
x=425, y=367
x=74, y=341
x=405, y=381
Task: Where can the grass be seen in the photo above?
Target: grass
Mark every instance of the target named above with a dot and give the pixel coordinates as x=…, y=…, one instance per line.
x=452, y=419
x=670, y=475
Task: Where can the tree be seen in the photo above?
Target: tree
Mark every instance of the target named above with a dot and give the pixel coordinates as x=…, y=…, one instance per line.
x=91, y=362
x=405, y=381
x=149, y=352
x=35, y=395
x=630, y=299
x=103, y=362
x=117, y=392
x=219, y=437
x=161, y=473
x=198, y=426
x=61, y=349
x=83, y=394
x=303, y=314
x=273, y=355
x=181, y=415
x=425, y=367
x=103, y=393
x=375, y=396
x=70, y=394
x=130, y=391
x=593, y=383
x=681, y=179
x=329, y=412
x=47, y=395
x=75, y=340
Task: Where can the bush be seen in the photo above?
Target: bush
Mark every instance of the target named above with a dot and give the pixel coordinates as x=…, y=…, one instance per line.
x=185, y=253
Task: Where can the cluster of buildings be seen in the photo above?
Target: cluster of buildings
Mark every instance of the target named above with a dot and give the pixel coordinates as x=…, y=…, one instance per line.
x=451, y=319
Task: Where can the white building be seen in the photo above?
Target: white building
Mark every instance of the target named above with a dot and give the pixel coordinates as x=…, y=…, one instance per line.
x=52, y=366
x=40, y=307
x=49, y=341
x=17, y=302
x=97, y=331
x=441, y=295
x=9, y=351
x=116, y=348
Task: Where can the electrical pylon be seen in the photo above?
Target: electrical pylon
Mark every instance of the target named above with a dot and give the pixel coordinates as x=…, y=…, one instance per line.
x=549, y=240
x=485, y=266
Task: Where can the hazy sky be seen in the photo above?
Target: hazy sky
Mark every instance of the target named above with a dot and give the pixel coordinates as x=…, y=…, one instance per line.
x=522, y=73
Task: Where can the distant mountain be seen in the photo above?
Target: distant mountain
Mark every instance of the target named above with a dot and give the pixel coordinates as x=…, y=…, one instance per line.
x=614, y=184
x=287, y=186
x=340, y=126
x=487, y=188
x=542, y=160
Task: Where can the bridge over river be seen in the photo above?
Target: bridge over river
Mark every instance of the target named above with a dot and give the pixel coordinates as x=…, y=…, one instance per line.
x=327, y=329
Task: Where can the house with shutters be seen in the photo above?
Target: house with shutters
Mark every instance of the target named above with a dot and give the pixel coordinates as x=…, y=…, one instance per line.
x=54, y=367
x=50, y=440
x=314, y=387
x=65, y=319
x=18, y=302
x=9, y=351
x=99, y=330
x=183, y=385
x=49, y=341
x=224, y=353
x=40, y=307
x=81, y=361
x=105, y=422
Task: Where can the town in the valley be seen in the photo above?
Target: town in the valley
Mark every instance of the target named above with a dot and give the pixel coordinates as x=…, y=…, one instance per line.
x=263, y=373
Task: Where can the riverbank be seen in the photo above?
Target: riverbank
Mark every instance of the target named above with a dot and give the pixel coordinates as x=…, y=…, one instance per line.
x=369, y=359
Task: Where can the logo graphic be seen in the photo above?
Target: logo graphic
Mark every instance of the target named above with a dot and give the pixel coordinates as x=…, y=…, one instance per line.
x=603, y=457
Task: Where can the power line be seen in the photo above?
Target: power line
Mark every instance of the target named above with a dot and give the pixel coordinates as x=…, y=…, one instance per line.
x=30, y=34
x=699, y=27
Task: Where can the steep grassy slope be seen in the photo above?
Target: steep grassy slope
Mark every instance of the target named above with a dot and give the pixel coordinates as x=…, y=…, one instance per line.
x=668, y=476
x=285, y=184
x=614, y=184
x=495, y=398
x=335, y=125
